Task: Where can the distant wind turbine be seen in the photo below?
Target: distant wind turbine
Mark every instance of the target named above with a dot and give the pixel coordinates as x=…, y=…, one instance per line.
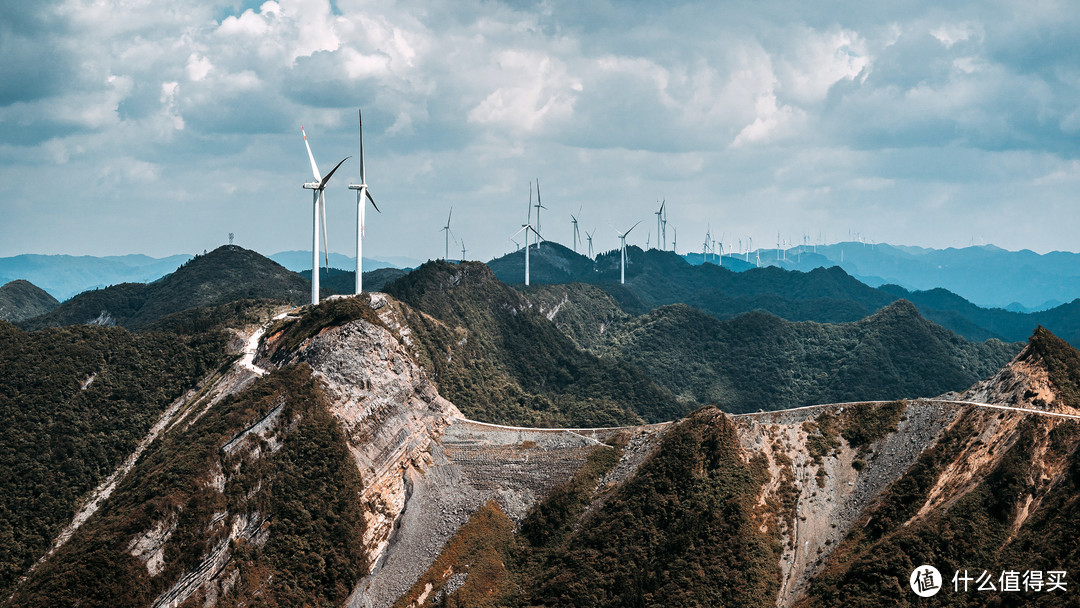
x=647, y=237
x=622, y=250
x=362, y=192
x=663, y=229
x=318, y=202
x=659, y=216
x=462, y=250
x=576, y=238
x=539, y=206
x=527, y=228
x=674, y=240
x=446, y=229
x=588, y=235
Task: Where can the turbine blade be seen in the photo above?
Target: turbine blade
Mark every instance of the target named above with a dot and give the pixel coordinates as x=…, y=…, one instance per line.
x=311, y=157
x=448, y=218
x=631, y=228
x=360, y=116
x=322, y=184
x=368, y=193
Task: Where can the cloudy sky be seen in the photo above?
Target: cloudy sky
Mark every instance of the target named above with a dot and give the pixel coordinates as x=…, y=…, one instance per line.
x=159, y=127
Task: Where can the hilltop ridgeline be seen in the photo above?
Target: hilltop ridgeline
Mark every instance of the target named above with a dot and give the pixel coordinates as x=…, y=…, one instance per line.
x=22, y=299
x=226, y=274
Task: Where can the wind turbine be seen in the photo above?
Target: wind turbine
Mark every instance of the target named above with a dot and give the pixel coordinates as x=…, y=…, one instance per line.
x=588, y=235
x=462, y=251
x=577, y=238
x=446, y=229
x=318, y=204
x=674, y=240
x=647, y=237
x=362, y=192
x=622, y=250
x=527, y=228
x=539, y=206
x=659, y=214
x=663, y=227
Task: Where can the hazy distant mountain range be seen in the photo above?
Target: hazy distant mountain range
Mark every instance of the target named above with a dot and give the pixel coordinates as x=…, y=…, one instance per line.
x=299, y=261
x=1021, y=281
x=66, y=275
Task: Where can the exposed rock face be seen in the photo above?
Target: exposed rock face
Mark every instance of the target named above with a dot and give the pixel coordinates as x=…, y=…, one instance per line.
x=389, y=410
x=813, y=506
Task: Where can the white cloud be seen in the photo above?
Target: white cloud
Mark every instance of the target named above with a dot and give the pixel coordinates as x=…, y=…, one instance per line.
x=821, y=60
x=953, y=33
x=538, y=89
x=715, y=106
x=198, y=67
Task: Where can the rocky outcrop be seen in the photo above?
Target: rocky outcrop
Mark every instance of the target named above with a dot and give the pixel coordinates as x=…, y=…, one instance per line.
x=811, y=503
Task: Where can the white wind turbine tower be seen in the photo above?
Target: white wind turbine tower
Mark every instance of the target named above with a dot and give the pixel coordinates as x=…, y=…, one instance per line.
x=362, y=192
x=663, y=229
x=462, y=251
x=527, y=228
x=705, y=246
x=588, y=235
x=539, y=206
x=622, y=251
x=674, y=240
x=647, y=236
x=446, y=229
x=318, y=204
x=659, y=213
x=577, y=237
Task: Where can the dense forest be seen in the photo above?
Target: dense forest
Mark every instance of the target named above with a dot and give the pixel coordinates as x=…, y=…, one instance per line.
x=501, y=361
x=760, y=361
x=302, y=492
x=73, y=403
